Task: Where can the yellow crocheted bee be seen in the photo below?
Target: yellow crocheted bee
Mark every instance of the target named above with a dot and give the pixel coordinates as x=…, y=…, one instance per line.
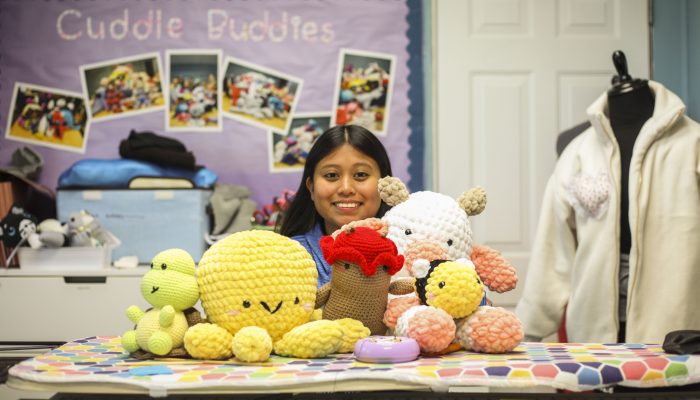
x=258, y=289
x=452, y=290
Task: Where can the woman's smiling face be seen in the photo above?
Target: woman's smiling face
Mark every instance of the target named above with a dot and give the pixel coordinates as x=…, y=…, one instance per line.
x=344, y=187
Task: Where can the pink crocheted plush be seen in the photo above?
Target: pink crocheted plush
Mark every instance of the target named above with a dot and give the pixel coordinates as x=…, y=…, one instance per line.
x=428, y=227
x=478, y=331
x=494, y=270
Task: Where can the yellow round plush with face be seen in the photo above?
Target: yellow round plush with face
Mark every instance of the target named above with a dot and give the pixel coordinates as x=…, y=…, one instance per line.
x=257, y=278
x=455, y=288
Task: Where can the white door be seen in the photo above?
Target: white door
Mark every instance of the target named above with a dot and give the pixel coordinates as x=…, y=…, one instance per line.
x=510, y=75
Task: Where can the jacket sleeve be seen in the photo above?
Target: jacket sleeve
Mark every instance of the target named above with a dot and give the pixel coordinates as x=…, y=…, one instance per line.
x=548, y=281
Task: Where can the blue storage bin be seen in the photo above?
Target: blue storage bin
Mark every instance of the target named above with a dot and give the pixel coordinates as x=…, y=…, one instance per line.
x=146, y=221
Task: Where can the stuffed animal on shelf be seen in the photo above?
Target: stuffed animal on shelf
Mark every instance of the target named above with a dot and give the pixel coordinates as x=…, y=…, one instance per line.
x=430, y=226
x=363, y=261
x=50, y=233
x=17, y=226
x=171, y=288
x=258, y=289
x=452, y=290
x=85, y=230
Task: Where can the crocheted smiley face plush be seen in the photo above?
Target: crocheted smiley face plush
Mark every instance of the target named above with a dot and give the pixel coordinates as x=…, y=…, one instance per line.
x=171, y=288
x=430, y=226
x=257, y=285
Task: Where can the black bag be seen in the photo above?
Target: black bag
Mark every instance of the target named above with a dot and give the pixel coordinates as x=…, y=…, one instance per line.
x=682, y=342
x=161, y=150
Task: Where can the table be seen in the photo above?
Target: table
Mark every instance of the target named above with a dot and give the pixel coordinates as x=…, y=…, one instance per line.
x=100, y=365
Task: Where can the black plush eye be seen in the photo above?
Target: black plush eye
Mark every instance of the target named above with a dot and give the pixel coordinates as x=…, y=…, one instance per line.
x=441, y=285
x=449, y=242
x=246, y=304
x=346, y=266
x=385, y=268
x=296, y=300
x=151, y=265
x=163, y=266
x=408, y=231
x=478, y=281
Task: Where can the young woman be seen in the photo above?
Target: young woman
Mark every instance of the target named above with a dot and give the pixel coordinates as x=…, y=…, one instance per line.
x=338, y=186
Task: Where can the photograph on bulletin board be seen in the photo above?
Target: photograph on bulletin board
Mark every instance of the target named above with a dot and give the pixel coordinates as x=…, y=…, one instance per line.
x=260, y=96
x=363, y=89
x=193, y=92
x=47, y=117
x=288, y=151
x=123, y=87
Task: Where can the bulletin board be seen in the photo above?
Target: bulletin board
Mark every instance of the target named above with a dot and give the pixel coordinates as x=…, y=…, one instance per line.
x=235, y=81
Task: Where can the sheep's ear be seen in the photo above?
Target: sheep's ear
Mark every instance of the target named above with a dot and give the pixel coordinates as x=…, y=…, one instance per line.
x=473, y=201
x=392, y=190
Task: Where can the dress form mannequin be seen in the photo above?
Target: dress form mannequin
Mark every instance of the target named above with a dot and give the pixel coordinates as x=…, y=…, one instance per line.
x=630, y=105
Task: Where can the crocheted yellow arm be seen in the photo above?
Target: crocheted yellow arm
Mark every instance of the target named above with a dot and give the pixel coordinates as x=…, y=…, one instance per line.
x=323, y=294
x=402, y=286
x=134, y=313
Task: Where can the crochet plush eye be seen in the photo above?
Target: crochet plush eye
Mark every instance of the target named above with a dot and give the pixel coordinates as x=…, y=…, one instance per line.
x=151, y=265
x=449, y=242
x=163, y=266
x=408, y=231
x=346, y=266
x=385, y=268
x=441, y=285
x=296, y=300
x=478, y=281
x=246, y=304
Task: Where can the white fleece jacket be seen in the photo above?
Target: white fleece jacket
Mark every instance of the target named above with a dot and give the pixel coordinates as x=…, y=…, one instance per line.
x=575, y=256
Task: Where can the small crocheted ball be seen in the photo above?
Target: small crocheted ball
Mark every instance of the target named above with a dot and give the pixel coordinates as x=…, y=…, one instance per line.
x=393, y=190
x=252, y=344
x=312, y=340
x=208, y=342
x=455, y=288
x=473, y=201
x=257, y=278
x=490, y=330
x=353, y=330
x=396, y=307
x=496, y=272
x=431, y=327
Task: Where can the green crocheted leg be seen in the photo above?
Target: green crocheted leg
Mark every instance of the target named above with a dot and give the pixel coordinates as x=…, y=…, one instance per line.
x=160, y=343
x=129, y=341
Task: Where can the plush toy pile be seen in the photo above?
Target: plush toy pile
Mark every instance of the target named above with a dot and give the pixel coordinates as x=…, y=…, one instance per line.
x=427, y=228
x=258, y=288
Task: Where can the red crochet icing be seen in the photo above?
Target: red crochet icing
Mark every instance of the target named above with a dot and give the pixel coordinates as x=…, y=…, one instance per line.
x=364, y=247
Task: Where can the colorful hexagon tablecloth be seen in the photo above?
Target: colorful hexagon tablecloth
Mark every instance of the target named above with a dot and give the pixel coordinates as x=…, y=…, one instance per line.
x=572, y=366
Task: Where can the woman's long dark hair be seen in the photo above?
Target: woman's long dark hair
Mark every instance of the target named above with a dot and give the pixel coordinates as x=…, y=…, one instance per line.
x=301, y=216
